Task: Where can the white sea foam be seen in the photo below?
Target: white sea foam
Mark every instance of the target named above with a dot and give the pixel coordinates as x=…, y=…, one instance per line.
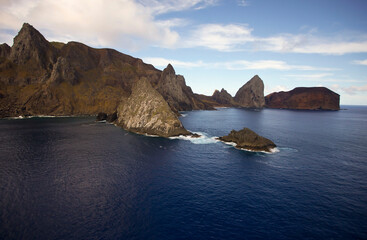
x=203, y=139
x=272, y=150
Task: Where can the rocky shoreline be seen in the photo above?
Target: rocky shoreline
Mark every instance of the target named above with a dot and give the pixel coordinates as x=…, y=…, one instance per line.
x=38, y=77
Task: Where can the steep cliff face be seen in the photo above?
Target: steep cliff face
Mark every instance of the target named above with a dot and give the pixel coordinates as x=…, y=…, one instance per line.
x=251, y=95
x=38, y=77
x=175, y=91
x=146, y=111
x=312, y=98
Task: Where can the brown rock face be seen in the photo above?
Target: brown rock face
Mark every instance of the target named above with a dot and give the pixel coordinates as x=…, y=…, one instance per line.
x=248, y=140
x=312, y=98
x=31, y=48
x=42, y=78
x=175, y=91
x=251, y=95
x=4, y=51
x=146, y=111
x=223, y=98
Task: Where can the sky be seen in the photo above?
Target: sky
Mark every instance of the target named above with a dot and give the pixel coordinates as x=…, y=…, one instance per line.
x=217, y=44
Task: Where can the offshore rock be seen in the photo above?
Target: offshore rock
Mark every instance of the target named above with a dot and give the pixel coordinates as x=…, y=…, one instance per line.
x=146, y=112
x=223, y=98
x=248, y=140
x=304, y=98
x=251, y=95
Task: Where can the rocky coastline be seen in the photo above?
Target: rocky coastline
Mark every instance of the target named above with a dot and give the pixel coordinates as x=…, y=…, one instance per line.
x=38, y=77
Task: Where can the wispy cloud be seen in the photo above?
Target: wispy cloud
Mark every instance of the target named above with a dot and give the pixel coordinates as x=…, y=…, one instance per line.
x=242, y=3
x=163, y=62
x=355, y=89
x=241, y=65
x=239, y=37
x=163, y=6
x=219, y=37
x=360, y=62
x=120, y=23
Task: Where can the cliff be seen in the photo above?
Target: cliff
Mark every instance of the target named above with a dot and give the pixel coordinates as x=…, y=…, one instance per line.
x=248, y=140
x=251, y=95
x=146, y=112
x=312, y=98
x=38, y=77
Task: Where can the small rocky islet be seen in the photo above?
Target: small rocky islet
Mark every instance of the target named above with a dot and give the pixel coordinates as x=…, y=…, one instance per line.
x=247, y=139
x=38, y=77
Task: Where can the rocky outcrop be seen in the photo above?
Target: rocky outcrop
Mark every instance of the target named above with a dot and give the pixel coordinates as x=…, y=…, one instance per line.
x=304, y=98
x=31, y=48
x=251, y=95
x=63, y=72
x=175, y=91
x=248, y=140
x=38, y=77
x=223, y=98
x=4, y=51
x=146, y=112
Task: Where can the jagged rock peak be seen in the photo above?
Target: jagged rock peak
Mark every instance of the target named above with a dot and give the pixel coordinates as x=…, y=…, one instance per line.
x=223, y=97
x=4, y=50
x=251, y=95
x=169, y=69
x=31, y=44
x=146, y=112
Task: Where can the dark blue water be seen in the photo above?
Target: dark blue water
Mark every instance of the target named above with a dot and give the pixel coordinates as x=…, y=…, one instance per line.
x=72, y=178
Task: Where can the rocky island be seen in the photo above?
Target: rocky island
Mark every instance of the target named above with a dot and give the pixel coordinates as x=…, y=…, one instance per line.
x=302, y=98
x=247, y=139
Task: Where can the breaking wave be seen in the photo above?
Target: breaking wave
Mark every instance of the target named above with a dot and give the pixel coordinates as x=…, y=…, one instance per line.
x=203, y=139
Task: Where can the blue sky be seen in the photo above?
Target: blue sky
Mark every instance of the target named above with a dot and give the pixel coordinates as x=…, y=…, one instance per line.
x=217, y=43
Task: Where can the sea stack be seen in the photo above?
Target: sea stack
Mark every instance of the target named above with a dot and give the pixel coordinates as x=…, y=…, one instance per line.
x=223, y=98
x=249, y=140
x=251, y=95
x=304, y=98
x=146, y=112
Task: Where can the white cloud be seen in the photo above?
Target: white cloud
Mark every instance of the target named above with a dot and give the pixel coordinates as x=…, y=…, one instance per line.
x=163, y=62
x=164, y=6
x=220, y=37
x=354, y=89
x=239, y=37
x=241, y=65
x=120, y=23
x=242, y=3
x=360, y=62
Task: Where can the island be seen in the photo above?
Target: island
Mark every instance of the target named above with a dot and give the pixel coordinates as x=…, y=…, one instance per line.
x=247, y=139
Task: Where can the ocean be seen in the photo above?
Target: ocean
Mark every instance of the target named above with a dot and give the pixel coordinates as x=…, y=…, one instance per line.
x=74, y=178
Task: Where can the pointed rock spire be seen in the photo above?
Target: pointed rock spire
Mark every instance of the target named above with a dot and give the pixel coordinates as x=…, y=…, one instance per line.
x=31, y=45
x=251, y=95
